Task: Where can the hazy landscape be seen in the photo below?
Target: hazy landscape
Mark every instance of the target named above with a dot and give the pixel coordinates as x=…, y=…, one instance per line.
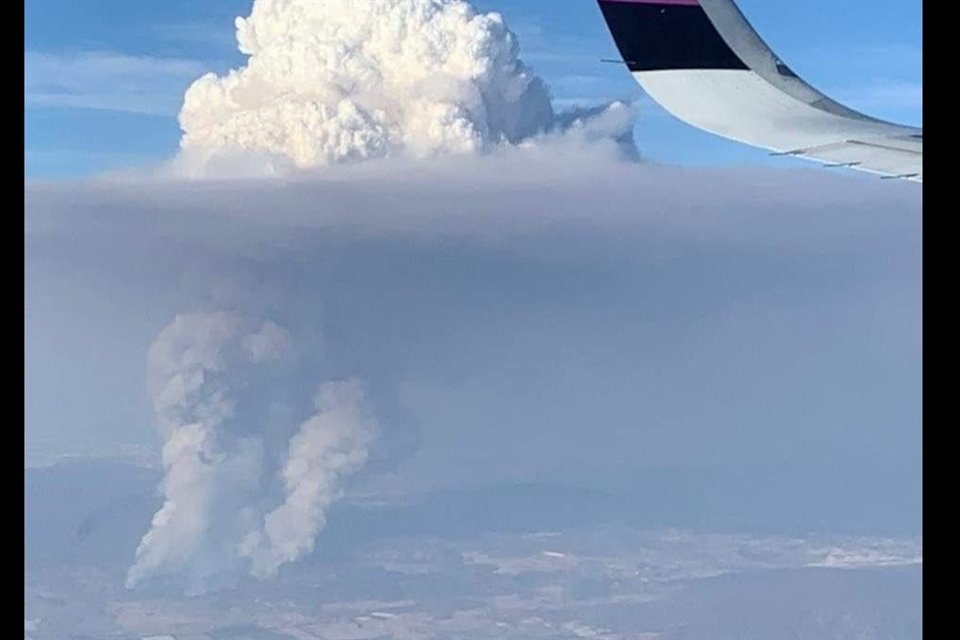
x=410, y=319
x=427, y=570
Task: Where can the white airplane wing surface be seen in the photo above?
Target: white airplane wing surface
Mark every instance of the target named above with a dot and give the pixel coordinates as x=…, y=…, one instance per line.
x=703, y=62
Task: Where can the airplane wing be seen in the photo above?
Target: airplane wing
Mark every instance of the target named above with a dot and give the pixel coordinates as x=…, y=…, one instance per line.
x=703, y=62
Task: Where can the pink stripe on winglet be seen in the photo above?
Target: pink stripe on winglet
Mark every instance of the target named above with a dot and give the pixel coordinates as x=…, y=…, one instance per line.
x=684, y=2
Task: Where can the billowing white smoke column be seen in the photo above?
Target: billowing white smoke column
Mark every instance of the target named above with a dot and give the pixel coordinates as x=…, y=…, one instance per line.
x=332, y=443
x=339, y=80
x=211, y=521
x=186, y=369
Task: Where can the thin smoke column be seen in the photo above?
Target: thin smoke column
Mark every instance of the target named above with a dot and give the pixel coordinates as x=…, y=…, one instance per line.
x=331, y=444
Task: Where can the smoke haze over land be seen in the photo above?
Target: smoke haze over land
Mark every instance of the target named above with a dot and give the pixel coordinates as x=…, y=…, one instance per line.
x=447, y=284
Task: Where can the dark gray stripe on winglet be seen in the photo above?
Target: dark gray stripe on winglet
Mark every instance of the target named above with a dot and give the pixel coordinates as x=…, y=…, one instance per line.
x=654, y=36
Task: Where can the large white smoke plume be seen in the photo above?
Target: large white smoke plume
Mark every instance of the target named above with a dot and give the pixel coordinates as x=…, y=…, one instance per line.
x=216, y=518
x=327, y=82
x=335, y=81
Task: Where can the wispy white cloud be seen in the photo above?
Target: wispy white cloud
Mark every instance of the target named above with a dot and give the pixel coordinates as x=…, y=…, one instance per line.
x=579, y=79
x=107, y=81
x=891, y=56
x=53, y=162
x=871, y=77
x=210, y=35
x=886, y=95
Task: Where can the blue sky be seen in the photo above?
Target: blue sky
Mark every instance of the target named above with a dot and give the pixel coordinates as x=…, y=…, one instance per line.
x=104, y=78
